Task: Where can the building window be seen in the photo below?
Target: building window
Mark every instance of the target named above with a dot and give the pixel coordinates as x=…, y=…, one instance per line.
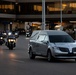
x=67, y=7
x=0, y=6
x=56, y=7
x=37, y=8
x=3, y=6
x=7, y=8
x=73, y=5
x=11, y=7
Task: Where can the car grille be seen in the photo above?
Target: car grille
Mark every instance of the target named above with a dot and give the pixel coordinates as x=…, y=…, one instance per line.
x=64, y=49
x=74, y=49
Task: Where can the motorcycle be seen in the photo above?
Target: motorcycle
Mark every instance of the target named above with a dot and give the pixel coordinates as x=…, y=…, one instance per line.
x=11, y=42
x=28, y=34
x=2, y=41
x=16, y=34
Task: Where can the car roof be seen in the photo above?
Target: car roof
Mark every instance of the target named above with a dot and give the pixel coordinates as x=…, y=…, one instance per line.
x=52, y=32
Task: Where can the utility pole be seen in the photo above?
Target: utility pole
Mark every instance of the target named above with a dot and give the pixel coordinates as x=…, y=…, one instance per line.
x=43, y=14
x=61, y=12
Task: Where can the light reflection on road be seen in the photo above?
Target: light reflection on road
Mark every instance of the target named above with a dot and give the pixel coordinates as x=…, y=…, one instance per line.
x=12, y=55
x=1, y=51
x=6, y=54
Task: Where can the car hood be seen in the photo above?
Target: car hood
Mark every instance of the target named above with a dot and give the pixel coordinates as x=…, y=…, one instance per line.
x=66, y=45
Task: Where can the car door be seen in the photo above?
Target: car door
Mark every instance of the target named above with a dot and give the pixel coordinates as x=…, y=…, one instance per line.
x=39, y=44
x=44, y=45
x=33, y=41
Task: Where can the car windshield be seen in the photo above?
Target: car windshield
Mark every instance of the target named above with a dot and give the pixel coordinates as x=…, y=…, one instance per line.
x=60, y=38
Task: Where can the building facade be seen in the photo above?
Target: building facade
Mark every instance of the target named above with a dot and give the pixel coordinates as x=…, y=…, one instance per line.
x=31, y=11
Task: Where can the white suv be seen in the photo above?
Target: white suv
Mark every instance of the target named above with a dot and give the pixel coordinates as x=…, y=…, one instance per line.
x=52, y=44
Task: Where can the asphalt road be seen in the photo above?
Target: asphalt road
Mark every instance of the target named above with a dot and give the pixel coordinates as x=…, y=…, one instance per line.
x=17, y=62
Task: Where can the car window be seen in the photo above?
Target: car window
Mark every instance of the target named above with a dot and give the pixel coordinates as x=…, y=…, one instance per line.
x=61, y=38
x=46, y=38
x=41, y=37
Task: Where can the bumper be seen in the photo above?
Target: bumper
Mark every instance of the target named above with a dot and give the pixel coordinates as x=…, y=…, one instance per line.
x=64, y=54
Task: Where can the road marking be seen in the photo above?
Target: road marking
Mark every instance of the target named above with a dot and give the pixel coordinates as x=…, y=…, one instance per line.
x=18, y=61
x=26, y=38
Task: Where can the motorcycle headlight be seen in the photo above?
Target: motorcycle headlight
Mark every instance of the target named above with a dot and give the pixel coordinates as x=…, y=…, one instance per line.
x=9, y=33
x=14, y=40
x=16, y=33
x=4, y=34
x=11, y=40
x=1, y=37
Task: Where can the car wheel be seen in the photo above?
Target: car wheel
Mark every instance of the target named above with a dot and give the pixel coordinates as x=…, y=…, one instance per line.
x=31, y=55
x=10, y=48
x=0, y=43
x=49, y=56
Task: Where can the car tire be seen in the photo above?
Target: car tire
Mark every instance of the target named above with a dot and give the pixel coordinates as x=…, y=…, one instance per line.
x=49, y=56
x=31, y=55
x=10, y=48
x=0, y=43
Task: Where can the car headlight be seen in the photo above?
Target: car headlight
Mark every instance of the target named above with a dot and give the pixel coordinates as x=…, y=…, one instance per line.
x=55, y=48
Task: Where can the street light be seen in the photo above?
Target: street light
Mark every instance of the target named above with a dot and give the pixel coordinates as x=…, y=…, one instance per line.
x=43, y=14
